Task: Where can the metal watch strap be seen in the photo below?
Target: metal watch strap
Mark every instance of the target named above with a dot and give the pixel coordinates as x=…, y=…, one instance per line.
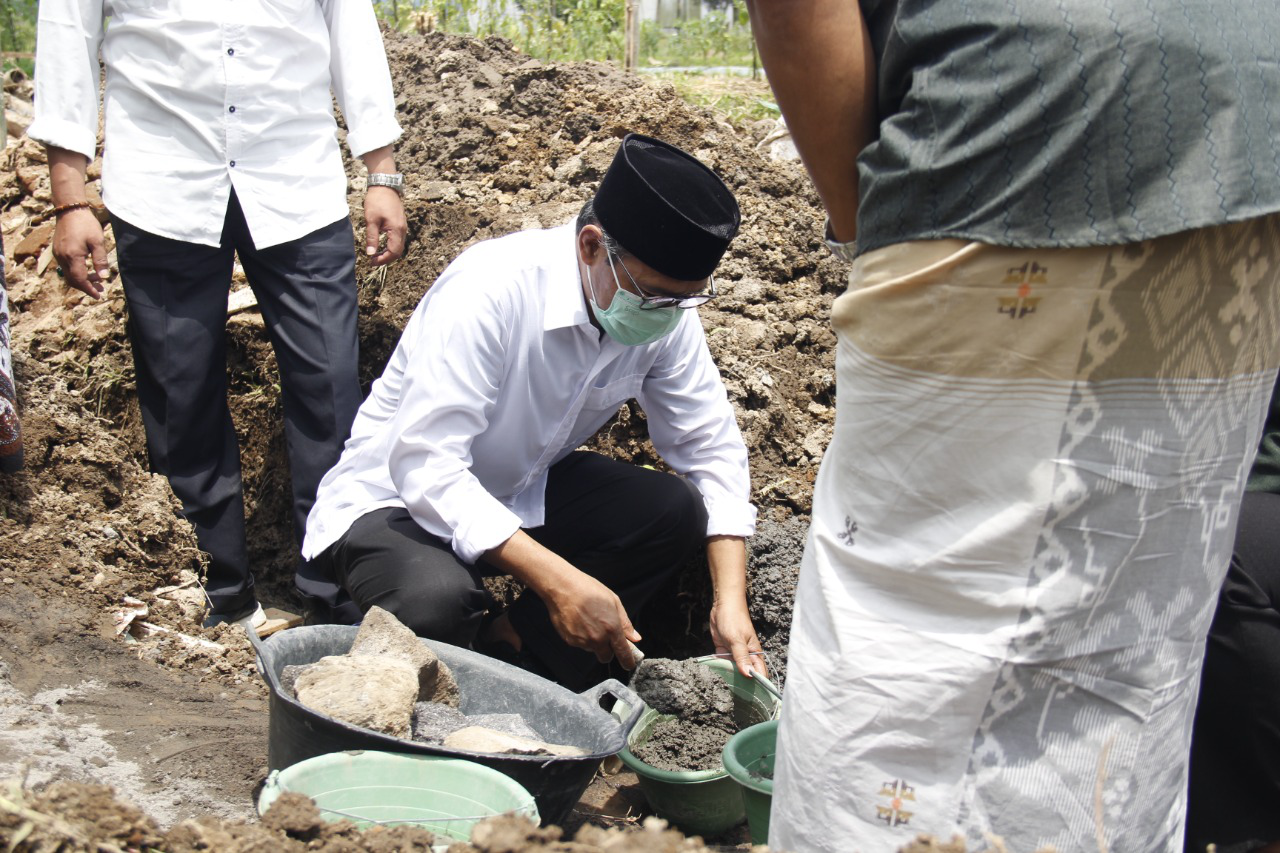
x=843, y=251
x=384, y=179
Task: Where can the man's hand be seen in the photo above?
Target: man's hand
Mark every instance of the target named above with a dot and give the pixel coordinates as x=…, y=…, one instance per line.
x=734, y=635
x=731, y=628
x=383, y=211
x=77, y=236
x=585, y=613
x=384, y=215
x=80, y=252
x=588, y=614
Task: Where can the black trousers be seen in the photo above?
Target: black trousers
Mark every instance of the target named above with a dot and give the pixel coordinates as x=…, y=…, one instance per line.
x=1234, y=794
x=629, y=527
x=177, y=297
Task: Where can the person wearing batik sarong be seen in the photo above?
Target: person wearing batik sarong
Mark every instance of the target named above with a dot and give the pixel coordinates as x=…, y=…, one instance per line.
x=10, y=430
x=1061, y=331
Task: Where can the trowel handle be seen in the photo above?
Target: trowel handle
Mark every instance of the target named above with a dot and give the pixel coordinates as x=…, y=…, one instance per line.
x=618, y=690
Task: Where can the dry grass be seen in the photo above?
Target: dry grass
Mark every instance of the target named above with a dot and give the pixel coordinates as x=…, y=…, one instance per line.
x=740, y=99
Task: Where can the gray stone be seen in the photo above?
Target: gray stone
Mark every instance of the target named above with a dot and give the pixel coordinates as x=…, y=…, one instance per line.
x=383, y=634
x=374, y=692
x=433, y=722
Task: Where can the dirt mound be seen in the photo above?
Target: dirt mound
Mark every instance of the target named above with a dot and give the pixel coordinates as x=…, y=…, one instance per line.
x=71, y=817
x=493, y=142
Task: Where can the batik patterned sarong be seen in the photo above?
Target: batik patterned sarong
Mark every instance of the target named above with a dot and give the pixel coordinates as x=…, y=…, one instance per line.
x=1018, y=536
x=10, y=433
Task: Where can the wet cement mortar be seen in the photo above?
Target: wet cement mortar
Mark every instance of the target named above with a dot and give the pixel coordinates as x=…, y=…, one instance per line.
x=494, y=142
x=700, y=706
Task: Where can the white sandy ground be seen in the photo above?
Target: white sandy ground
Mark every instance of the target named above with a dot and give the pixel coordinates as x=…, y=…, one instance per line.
x=40, y=743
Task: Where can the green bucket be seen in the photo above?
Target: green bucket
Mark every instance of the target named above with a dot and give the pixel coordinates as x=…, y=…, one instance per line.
x=447, y=796
x=748, y=758
x=700, y=802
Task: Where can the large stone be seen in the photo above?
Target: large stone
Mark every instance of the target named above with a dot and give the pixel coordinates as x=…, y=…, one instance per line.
x=381, y=633
x=374, y=692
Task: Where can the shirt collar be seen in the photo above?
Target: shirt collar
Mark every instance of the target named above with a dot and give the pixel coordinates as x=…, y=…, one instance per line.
x=565, y=303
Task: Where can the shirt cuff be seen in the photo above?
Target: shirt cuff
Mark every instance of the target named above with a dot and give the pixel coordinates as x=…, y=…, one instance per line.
x=730, y=517
x=367, y=139
x=474, y=537
x=61, y=133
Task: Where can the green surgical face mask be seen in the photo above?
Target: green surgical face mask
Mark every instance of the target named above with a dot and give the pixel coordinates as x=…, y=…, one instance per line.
x=629, y=324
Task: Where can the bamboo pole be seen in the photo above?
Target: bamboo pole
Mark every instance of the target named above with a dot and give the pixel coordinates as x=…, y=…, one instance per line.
x=632, y=53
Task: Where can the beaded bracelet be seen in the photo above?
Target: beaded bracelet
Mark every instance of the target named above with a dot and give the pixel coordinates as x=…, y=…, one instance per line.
x=77, y=205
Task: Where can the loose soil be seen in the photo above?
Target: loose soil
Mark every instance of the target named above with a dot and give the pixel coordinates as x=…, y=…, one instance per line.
x=173, y=717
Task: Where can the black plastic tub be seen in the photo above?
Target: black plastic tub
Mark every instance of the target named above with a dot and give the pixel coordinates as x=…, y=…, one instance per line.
x=486, y=686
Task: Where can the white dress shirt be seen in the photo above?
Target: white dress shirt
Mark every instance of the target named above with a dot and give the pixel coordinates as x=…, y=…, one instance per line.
x=206, y=95
x=499, y=375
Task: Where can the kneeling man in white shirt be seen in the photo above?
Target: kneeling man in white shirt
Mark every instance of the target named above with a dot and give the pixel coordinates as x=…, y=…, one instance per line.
x=463, y=461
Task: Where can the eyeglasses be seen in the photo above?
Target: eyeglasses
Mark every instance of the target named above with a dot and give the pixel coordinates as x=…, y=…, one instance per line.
x=648, y=302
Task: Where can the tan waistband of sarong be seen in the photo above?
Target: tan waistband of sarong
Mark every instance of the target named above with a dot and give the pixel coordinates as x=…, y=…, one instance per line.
x=1203, y=304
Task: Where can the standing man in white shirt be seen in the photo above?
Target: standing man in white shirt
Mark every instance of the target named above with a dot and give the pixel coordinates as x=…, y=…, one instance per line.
x=219, y=141
x=463, y=461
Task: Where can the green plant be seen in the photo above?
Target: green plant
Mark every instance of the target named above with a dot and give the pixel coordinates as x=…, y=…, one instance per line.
x=17, y=34
x=572, y=30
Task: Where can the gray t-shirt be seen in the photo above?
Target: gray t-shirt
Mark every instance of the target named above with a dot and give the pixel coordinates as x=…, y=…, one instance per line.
x=1070, y=122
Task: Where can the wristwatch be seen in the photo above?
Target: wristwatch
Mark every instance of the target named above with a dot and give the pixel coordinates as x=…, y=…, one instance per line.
x=382, y=179
x=844, y=251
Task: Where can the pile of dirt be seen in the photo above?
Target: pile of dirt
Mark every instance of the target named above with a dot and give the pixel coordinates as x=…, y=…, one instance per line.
x=493, y=142
x=70, y=817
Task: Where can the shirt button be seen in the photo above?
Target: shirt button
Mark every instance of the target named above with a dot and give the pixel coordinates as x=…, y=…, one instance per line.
x=233, y=164
x=231, y=109
x=231, y=51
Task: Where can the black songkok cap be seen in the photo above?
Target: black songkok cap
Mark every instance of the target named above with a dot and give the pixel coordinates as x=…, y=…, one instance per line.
x=666, y=208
